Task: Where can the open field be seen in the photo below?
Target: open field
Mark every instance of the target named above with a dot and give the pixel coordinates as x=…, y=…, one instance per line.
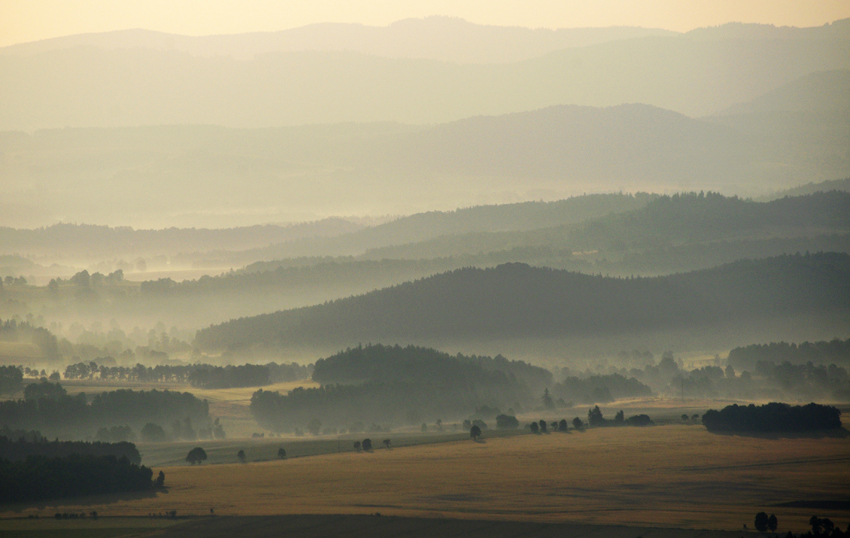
x=112, y=527
x=672, y=476
x=320, y=526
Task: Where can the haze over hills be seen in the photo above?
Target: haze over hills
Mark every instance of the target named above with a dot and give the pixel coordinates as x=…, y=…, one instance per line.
x=435, y=38
x=182, y=176
x=518, y=301
x=88, y=86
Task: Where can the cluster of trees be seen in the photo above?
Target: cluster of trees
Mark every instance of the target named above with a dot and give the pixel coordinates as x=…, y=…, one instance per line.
x=386, y=364
x=12, y=330
x=48, y=408
x=11, y=379
x=835, y=351
x=199, y=375
x=600, y=388
x=772, y=417
x=394, y=384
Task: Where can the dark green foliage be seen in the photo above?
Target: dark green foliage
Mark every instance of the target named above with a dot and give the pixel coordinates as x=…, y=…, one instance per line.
x=366, y=445
x=11, y=379
x=241, y=456
x=772, y=417
x=475, y=432
x=281, y=453
x=563, y=426
x=507, y=422
x=543, y=427
x=42, y=477
x=20, y=449
x=534, y=427
x=196, y=455
x=577, y=423
x=515, y=300
x=619, y=418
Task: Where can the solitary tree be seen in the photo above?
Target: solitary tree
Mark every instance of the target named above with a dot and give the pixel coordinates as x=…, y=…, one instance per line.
x=160, y=482
x=386, y=443
x=684, y=417
x=594, y=417
x=761, y=522
x=196, y=455
x=240, y=456
x=577, y=423
x=281, y=453
x=475, y=432
x=772, y=523
x=562, y=426
x=534, y=427
x=367, y=445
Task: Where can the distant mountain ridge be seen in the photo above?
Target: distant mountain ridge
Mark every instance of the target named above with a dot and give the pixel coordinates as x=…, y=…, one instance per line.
x=89, y=86
x=435, y=38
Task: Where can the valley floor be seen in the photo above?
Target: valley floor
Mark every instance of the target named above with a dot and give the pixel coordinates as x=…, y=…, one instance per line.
x=673, y=477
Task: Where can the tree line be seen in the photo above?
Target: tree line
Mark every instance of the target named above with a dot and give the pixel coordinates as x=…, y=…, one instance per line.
x=772, y=417
x=37, y=445
x=47, y=407
x=823, y=352
x=41, y=477
x=198, y=375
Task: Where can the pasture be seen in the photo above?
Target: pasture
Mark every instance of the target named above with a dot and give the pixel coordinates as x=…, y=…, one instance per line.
x=673, y=476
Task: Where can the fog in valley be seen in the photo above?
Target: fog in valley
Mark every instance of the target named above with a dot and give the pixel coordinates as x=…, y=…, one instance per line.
x=294, y=242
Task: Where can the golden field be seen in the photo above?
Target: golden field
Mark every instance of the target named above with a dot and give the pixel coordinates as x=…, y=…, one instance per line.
x=676, y=476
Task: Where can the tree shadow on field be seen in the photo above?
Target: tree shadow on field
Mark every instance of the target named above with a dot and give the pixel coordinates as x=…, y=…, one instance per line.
x=836, y=433
x=480, y=440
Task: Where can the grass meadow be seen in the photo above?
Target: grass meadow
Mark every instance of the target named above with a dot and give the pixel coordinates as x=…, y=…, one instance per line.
x=676, y=476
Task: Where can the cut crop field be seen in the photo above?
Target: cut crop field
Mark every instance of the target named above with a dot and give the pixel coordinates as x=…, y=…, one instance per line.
x=673, y=476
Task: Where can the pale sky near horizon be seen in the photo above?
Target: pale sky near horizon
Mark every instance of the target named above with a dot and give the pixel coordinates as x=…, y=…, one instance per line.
x=32, y=20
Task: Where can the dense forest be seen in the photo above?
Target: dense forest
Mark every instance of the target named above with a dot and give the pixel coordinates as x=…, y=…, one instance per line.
x=39, y=477
x=515, y=300
x=48, y=408
x=823, y=353
x=772, y=418
x=390, y=384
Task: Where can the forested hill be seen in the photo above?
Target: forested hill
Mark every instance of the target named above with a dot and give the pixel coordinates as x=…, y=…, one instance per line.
x=667, y=221
x=516, y=300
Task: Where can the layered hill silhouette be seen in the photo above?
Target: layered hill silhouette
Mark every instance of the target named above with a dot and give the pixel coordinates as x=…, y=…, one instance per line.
x=516, y=300
x=183, y=175
x=435, y=38
x=87, y=86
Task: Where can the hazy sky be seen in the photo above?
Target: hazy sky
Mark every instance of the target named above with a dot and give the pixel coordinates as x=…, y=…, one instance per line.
x=30, y=20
